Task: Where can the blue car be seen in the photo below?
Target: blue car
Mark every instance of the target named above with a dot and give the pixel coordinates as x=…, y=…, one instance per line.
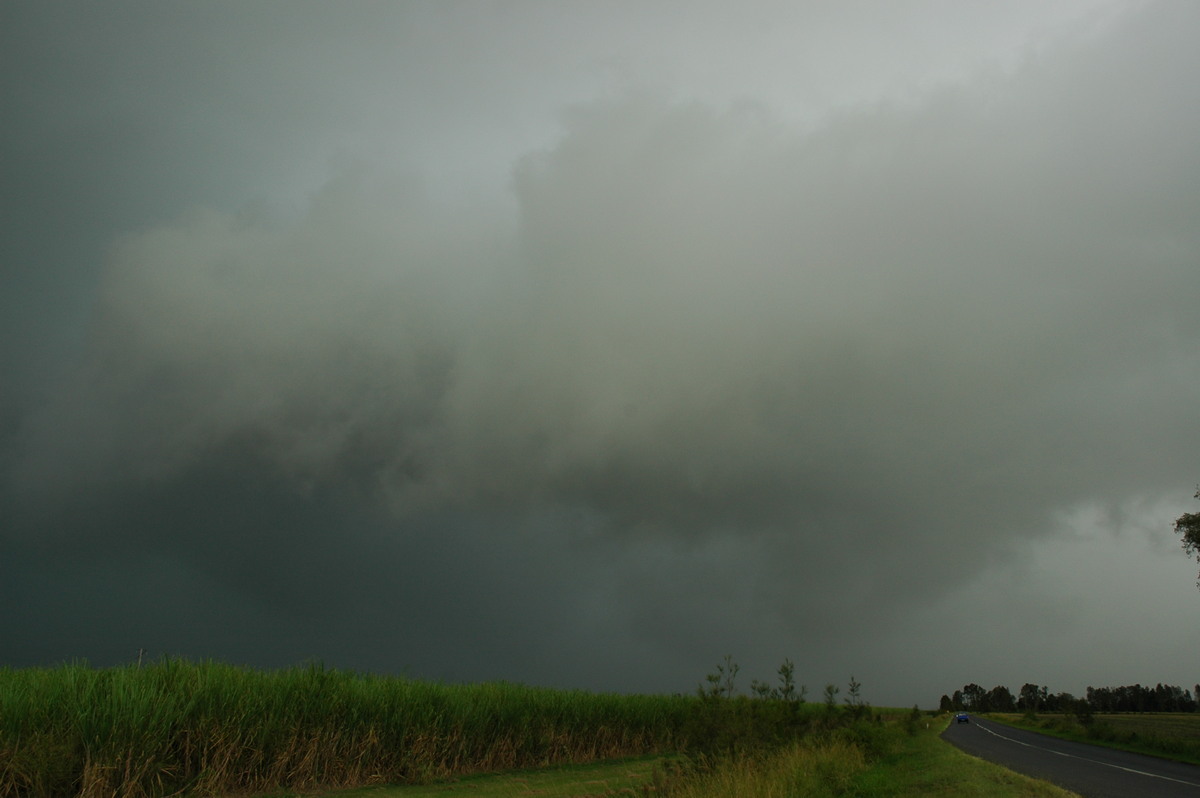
x=961, y=717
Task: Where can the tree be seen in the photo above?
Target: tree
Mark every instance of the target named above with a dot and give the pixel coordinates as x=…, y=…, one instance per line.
x=831, y=691
x=1082, y=711
x=1063, y=702
x=786, y=691
x=974, y=698
x=787, y=683
x=1001, y=700
x=1030, y=699
x=1188, y=525
x=761, y=689
x=854, y=700
x=721, y=683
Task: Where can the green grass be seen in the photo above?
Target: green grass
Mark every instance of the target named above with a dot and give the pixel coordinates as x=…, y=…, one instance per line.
x=620, y=777
x=1164, y=734
x=925, y=765
x=1184, y=727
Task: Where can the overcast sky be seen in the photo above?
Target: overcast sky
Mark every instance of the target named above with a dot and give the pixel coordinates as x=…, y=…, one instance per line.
x=583, y=344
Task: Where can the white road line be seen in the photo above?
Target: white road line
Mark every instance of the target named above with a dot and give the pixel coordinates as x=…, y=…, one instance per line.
x=1085, y=759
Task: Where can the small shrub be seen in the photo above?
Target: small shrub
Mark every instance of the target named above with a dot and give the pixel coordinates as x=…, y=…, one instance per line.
x=913, y=721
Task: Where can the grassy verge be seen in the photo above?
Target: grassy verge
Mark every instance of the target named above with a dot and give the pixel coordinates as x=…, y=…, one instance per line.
x=637, y=776
x=1167, y=735
x=895, y=759
x=923, y=764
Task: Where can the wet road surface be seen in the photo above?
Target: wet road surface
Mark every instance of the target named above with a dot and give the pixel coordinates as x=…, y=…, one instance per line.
x=1090, y=770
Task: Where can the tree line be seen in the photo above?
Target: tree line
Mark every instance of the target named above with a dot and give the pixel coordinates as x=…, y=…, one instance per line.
x=1032, y=698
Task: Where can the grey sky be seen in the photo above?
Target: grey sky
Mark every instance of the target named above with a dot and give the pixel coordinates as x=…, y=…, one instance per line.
x=584, y=344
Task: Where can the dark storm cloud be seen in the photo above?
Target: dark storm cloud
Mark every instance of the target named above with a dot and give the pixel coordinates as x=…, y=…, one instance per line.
x=727, y=382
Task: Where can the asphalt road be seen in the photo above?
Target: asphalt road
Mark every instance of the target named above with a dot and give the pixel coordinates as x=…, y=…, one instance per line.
x=1090, y=770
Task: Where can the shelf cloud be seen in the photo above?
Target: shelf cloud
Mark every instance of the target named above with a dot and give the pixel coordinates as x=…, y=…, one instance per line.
x=704, y=375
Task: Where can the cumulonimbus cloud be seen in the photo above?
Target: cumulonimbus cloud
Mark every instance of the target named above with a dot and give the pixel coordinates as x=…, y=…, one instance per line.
x=858, y=344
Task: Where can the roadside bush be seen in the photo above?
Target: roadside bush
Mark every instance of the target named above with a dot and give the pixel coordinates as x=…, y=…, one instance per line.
x=738, y=726
x=874, y=738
